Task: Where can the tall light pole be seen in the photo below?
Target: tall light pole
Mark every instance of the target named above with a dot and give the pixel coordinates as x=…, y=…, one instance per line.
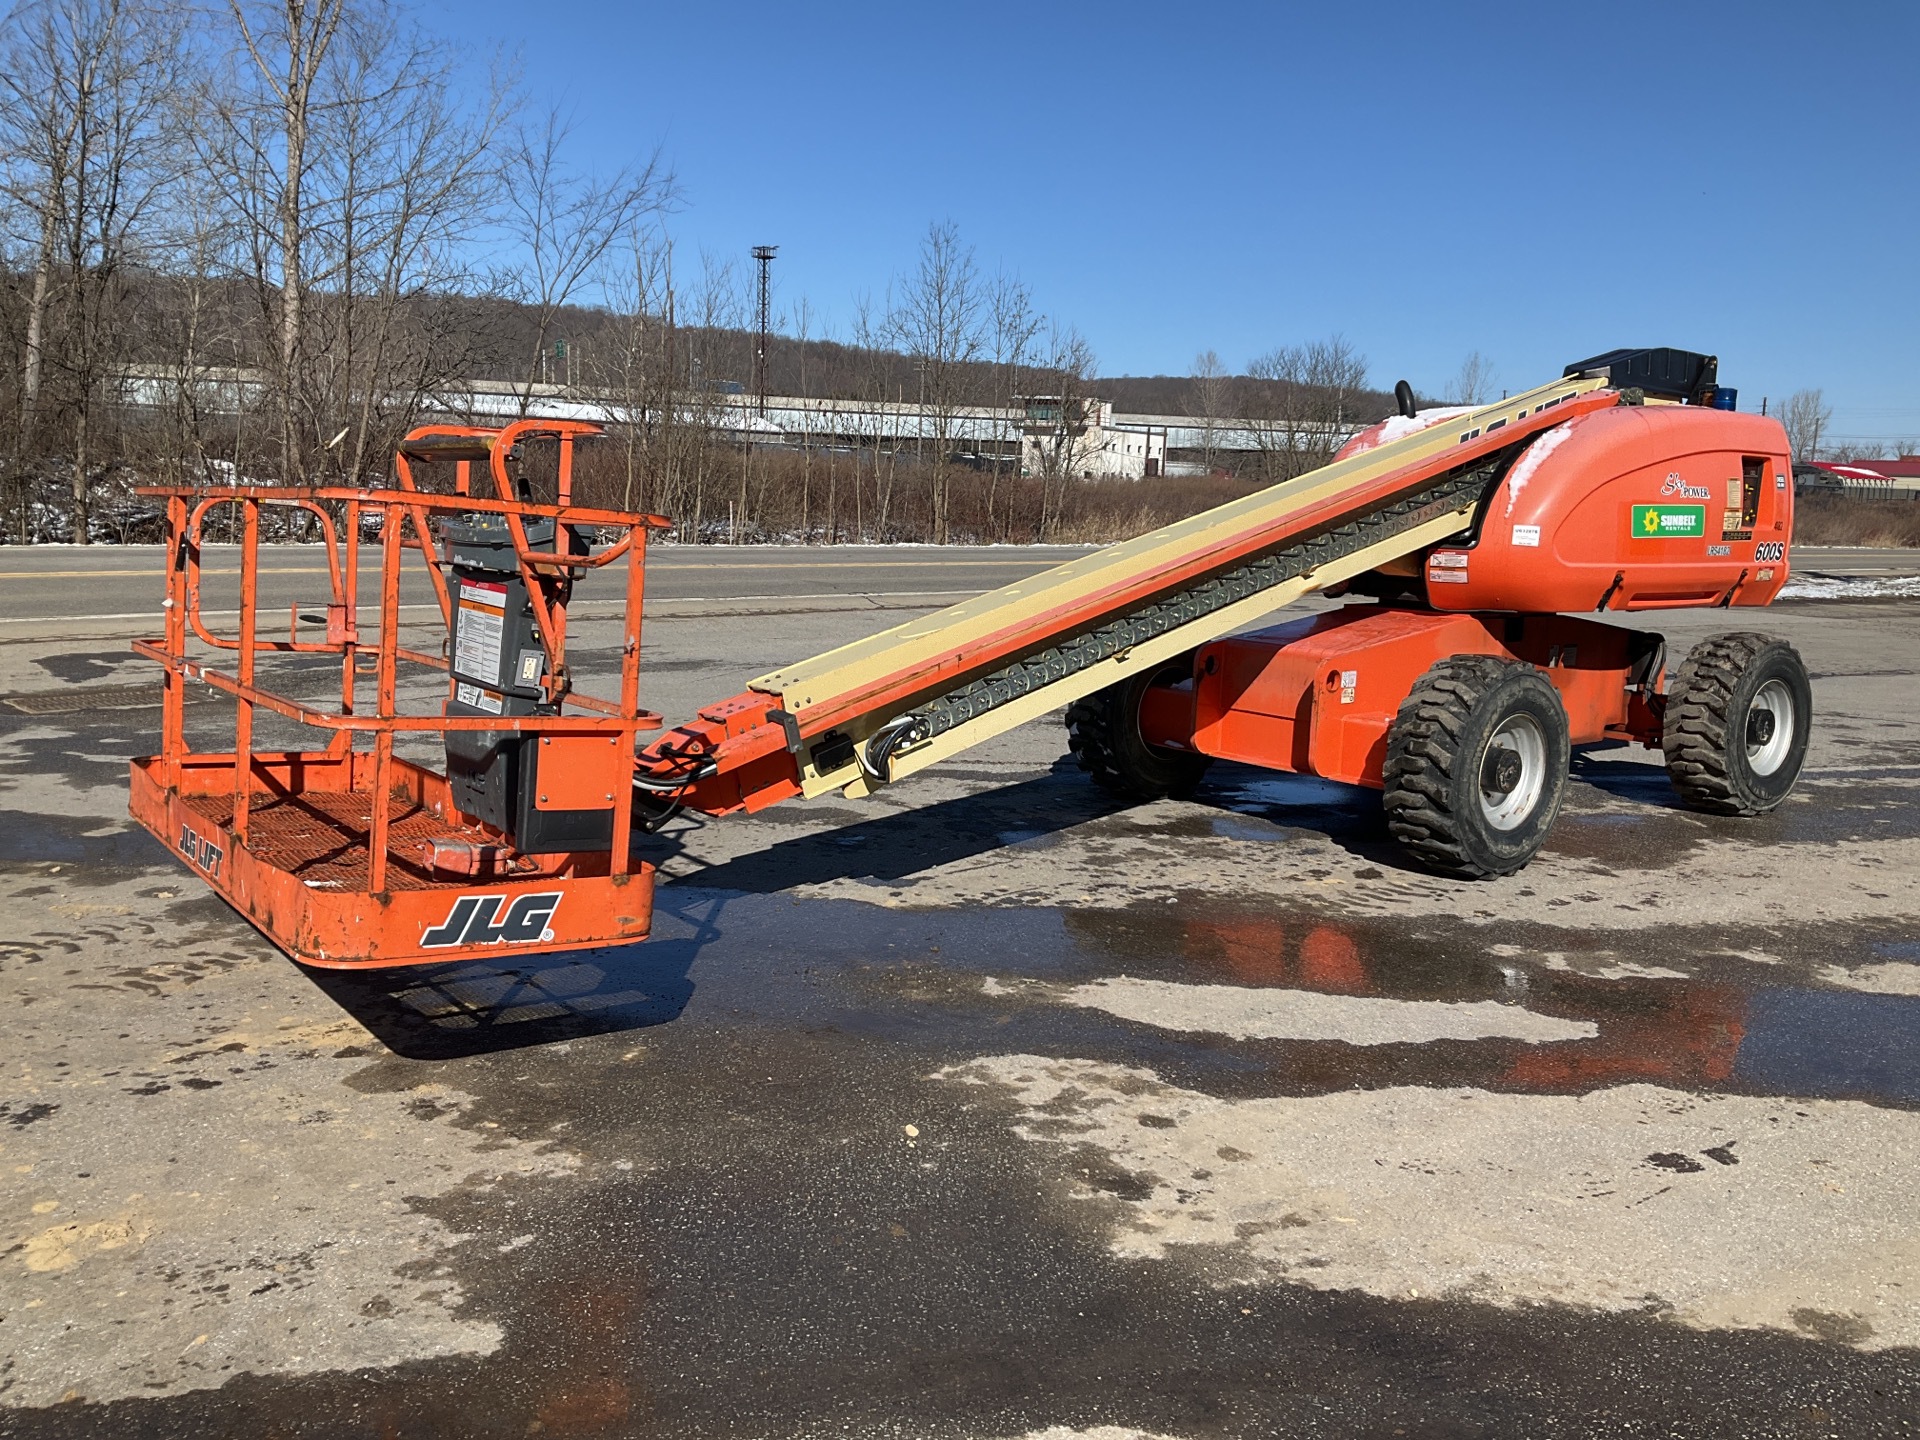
x=763, y=257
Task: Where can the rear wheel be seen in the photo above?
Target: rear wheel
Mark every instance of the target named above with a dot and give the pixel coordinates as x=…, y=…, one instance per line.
x=1477, y=766
x=1737, y=723
x=1103, y=732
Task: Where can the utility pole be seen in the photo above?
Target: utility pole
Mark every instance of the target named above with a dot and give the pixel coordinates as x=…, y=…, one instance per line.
x=920, y=420
x=763, y=257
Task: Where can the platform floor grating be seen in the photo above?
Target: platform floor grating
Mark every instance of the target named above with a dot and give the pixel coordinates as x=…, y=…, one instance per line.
x=320, y=837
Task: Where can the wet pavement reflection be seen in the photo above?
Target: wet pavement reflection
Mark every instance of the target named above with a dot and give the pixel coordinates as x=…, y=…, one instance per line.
x=1724, y=1022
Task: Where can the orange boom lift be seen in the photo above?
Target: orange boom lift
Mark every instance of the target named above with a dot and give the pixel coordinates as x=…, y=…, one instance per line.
x=1478, y=543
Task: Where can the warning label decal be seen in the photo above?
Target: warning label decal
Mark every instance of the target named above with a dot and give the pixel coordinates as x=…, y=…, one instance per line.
x=480, y=630
x=478, y=697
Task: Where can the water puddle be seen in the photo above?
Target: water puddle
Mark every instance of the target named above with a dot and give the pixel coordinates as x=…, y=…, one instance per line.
x=1231, y=1004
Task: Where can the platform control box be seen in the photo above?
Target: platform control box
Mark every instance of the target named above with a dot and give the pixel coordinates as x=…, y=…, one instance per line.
x=496, y=666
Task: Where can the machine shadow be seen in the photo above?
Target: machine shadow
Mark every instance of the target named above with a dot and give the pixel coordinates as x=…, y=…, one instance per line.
x=444, y=1012
x=891, y=847
x=1348, y=815
x=459, y=1009
x=1644, y=782
x=449, y=1012
x=1352, y=818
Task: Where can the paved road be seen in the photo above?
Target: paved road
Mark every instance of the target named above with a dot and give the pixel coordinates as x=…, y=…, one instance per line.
x=1854, y=560
x=989, y=1109
x=122, y=583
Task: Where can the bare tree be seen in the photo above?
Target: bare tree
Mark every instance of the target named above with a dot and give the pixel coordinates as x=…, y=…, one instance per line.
x=332, y=269
x=1012, y=325
x=1473, y=382
x=355, y=154
x=871, y=345
x=36, y=142
x=1208, y=399
x=1062, y=419
x=631, y=369
x=1806, y=417
x=1306, y=405
x=268, y=117
x=198, y=343
x=937, y=317
x=568, y=223
x=405, y=172
x=803, y=333
x=713, y=308
x=85, y=91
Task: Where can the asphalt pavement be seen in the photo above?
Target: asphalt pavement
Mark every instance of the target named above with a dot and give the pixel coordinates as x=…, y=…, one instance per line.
x=983, y=1108
x=120, y=586
x=125, y=582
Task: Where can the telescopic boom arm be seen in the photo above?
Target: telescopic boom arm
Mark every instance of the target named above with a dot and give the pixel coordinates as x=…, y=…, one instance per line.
x=881, y=708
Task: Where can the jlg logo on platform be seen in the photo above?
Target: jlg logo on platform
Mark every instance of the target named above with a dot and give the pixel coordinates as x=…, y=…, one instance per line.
x=490, y=920
x=201, y=851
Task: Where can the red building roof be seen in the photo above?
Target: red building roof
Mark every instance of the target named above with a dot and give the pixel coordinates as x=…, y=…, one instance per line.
x=1906, y=467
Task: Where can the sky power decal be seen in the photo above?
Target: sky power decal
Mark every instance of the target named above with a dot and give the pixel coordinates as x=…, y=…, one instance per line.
x=491, y=920
x=1669, y=522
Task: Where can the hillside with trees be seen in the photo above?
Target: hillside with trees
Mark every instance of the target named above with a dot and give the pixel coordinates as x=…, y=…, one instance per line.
x=263, y=240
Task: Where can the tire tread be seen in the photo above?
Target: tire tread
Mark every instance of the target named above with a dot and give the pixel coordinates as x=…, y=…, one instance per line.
x=1694, y=729
x=1422, y=751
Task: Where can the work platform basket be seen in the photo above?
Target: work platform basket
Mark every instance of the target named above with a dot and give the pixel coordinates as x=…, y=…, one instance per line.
x=350, y=855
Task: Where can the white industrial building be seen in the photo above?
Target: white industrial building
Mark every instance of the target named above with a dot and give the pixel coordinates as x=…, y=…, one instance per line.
x=1082, y=439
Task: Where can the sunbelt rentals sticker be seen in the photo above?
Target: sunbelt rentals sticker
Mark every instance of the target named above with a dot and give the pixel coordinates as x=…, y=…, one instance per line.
x=1669, y=522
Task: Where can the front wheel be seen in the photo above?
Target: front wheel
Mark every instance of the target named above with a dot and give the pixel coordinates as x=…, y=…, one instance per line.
x=1737, y=722
x=1477, y=766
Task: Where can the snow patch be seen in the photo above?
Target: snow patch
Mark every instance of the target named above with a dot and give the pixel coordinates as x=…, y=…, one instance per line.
x=1841, y=587
x=1535, y=457
x=1399, y=427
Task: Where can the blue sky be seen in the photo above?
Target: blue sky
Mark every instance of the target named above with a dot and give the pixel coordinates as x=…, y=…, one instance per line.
x=1535, y=182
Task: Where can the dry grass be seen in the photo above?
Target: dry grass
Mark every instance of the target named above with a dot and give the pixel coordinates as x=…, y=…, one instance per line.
x=1849, y=520
x=841, y=496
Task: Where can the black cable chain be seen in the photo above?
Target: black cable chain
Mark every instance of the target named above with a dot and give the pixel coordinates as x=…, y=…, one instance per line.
x=1057, y=662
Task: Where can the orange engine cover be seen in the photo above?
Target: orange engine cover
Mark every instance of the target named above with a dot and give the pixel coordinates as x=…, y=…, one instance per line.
x=1634, y=508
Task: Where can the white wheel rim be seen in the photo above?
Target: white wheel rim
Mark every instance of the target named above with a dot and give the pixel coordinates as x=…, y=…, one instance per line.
x=1522, y=737
x=1776, y=700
